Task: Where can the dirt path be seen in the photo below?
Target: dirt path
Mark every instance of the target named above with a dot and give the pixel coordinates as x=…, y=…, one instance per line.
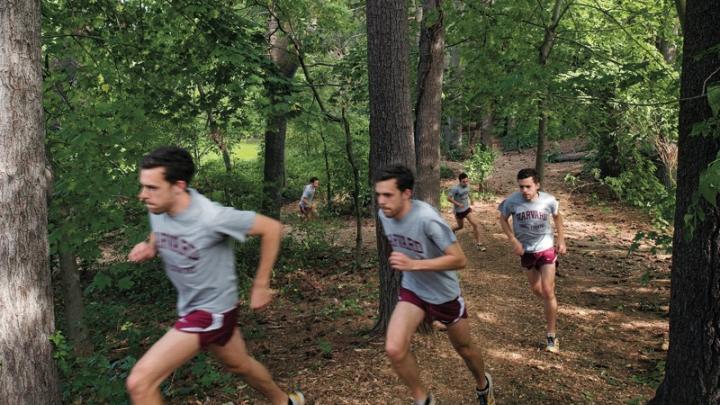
x=612, y=317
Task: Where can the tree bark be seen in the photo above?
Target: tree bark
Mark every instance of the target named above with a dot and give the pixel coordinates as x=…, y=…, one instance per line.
x=73, y=301
x=428, y=105
x=285, y=66
x=274, y=164
x=391, y=133
x=559, y=9
x=542, y=136
x=680, y=5
x=328, y=174
x=27, y=369
x=356, y=187
x=692, y=371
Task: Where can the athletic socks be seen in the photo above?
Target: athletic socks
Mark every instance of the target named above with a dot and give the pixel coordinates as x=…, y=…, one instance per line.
x=428, y=401
x=484, y=390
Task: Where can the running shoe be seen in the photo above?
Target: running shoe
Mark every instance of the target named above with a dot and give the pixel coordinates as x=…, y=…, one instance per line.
x=553, y=344
x=429, y=401
x=296, y=398
x=486, y=396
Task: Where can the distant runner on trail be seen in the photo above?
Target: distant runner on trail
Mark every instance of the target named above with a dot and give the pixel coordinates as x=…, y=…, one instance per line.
x=192, y=236
x=307, y=209
x=459, y=196
x=426, y=251
x=531, y=237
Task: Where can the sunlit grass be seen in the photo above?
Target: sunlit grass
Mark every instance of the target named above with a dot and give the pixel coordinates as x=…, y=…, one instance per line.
x=246, y=150
x=243, y=151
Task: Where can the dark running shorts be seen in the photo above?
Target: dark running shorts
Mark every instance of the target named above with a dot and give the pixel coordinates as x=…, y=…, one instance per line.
x=461, y=215
x=447, y=312
x=535, y=260
x=213, y=329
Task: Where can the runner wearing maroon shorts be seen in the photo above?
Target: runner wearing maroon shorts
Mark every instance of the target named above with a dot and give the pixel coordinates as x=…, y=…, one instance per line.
x=307, y=209
x=532, y=239
x=192, y=235
x=426, y=251
x=459, y=197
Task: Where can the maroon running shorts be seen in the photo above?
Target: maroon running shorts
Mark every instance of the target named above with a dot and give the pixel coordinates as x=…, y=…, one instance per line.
x=213, y=329
x=535, y=260
x=447, y=312
x=461, y=215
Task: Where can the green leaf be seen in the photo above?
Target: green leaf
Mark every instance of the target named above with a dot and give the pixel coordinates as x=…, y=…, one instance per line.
x=101, y=281
x=713, y=96
x=125, y=283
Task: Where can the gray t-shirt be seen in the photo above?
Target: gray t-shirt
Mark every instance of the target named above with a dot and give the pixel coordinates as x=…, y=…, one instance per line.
x=195, y=247
x=531, y=219
x=460, y=194
x=308, y=193
x=422, y=234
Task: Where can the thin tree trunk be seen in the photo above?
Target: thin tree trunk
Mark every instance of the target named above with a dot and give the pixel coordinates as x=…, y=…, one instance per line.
x=391, y=133
x=76, y=327
x=356, y=188
x=274, y=165
x=27, y=369
x=214, y=132
x=428, y=105
x=692, y=370
x=542, y=135
x=328, y=185
x=487, y=127
x=559, y=9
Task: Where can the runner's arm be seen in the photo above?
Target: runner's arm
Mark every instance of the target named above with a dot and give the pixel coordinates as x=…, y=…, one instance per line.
x=270, y=232
x=517, y=246
x=560, y=227
x=144, y=250
x=453, y=259
x=455, y=203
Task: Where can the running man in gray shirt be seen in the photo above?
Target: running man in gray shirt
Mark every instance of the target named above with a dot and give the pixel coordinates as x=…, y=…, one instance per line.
x=532, y=239
x=307, y=209
x=192, y=236
x=459, y=196
x=426, y=251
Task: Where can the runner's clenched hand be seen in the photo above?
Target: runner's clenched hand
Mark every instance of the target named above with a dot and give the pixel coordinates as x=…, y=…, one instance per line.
x=400, y=261
x=260, y=297
x=143, y=251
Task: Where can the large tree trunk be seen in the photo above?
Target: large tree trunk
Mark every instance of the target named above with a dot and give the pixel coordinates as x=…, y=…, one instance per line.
x=429, y=103
x=692, y=371
x=391, y=134
x=27, y=368
x=681, y=7
x=285, y=66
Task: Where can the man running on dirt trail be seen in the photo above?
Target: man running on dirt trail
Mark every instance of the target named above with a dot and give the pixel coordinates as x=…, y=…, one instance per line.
x=531, y=237
x=192, y=236
x=426, y=251
x=307, y=209
x=459, y=197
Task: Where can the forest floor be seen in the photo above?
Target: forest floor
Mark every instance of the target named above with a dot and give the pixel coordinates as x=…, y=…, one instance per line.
x=612, y=314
